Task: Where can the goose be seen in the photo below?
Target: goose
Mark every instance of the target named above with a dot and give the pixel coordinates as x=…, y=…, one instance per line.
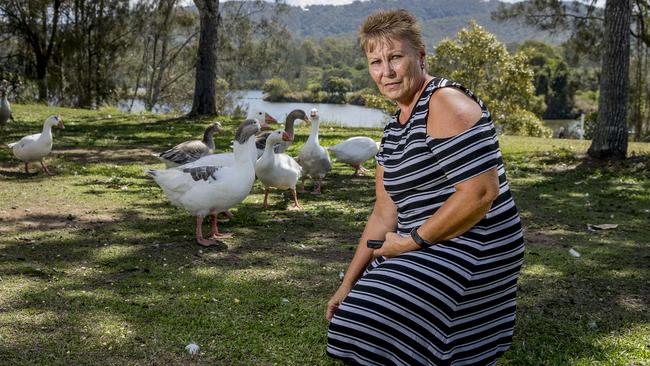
x=263, y=117
x=5, y=108
x=222, y=159
x=189, y=151
x=35, y=147
x=278, y=170
x=288, y=128
x=355, y=151
x=313, y=158
x=209, y=189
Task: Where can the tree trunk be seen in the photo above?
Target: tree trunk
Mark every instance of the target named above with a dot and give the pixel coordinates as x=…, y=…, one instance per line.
x=205, y=85
x=610, y=134
x=41, y=78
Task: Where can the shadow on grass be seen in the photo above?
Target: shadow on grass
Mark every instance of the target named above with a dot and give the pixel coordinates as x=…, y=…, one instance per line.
x=132, y=286
x=572, y=309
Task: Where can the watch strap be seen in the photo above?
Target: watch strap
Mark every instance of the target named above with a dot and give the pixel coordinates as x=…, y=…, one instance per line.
x=418, y=239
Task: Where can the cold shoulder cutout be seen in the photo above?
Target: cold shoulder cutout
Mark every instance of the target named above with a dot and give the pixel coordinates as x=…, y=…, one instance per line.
x=451, y=111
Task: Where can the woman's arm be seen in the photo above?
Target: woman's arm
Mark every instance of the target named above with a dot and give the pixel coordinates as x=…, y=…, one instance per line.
x=382, y=220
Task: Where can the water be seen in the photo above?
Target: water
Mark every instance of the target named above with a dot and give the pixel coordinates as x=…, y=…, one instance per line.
x=334, y=114
x=337, y=114
x=565, y=128
x=138, y=107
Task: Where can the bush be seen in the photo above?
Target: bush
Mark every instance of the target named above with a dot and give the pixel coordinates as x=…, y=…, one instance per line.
x=522, y=122
x=275, y=89
x=380, y=102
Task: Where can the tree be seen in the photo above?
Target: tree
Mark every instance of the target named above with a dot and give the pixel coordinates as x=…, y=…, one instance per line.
x=94, y=37
x=37, y=23
x=607, y=33
x=610, y=135
x=160, y=57
x=504, y=81
x=275, y=89
x=205, y=84
x=553, y=79
x=247, y=38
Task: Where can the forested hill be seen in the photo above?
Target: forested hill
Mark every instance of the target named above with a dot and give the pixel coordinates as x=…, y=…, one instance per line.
x=440, y=19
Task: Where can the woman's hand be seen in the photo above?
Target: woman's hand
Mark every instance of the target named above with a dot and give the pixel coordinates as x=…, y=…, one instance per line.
x=395, y=245
x=336, y=300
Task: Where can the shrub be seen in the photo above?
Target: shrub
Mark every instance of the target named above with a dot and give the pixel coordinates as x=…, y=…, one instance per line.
x=521, y=122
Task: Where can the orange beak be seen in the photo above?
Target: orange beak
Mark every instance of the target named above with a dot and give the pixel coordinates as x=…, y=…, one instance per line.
x=269, y=119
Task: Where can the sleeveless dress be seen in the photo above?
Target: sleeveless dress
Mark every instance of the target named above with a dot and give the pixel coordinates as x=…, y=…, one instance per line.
x=452, y=303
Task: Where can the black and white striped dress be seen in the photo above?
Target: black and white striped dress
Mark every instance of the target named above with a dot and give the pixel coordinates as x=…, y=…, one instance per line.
x=452, y=303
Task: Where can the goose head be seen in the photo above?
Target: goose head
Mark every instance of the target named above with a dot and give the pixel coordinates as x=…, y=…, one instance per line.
x=277, y=136
x=293, y=116
x=214, y=128
x=313, y=114
x=54, y=121
x=246, y=129
x=264, y=118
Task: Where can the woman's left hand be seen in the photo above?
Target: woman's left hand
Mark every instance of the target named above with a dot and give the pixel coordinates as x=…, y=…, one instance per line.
x=395, y=245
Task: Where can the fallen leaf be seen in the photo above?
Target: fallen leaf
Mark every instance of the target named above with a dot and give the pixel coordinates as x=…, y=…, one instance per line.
x=602, y=226
x=192, y=348
x=574, y=253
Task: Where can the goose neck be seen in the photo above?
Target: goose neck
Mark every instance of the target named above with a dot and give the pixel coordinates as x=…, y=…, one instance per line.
x=47, y=131
x=208, y=139
x=313, y=134
x=288, y=125
x=242, y=152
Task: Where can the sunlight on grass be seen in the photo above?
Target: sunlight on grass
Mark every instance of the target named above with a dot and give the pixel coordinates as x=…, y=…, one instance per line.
x=105, y=328
x=96, y=266
x=541, y=270
x=114, y=252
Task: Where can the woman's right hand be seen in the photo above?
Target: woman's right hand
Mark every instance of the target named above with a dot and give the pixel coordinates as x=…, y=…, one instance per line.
x=336, y=300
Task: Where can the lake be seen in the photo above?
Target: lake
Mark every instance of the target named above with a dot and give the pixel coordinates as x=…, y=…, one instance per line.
x=333, y=114
x=337, y=114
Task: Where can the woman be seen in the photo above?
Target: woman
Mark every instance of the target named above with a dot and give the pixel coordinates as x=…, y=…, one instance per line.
x=441, y=290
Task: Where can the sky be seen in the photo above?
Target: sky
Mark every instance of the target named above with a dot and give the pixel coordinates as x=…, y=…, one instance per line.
x=304, y=3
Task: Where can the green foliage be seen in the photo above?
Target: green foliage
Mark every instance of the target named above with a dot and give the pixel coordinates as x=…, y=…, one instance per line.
x=275, y=89
x=479, y=61
x=553, y=80
x=337, y=87
x=380, y=102
x=522, y=123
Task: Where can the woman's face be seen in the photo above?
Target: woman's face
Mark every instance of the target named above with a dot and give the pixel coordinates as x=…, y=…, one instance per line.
x=396, y=68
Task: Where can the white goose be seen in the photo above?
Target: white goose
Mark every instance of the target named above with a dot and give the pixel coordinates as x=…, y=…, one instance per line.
x=355, y=151
x=189, y=151
x=5, y=108
x=35, y=147
x=207, y=190
x=282, y=146
x=278, y=170
x=314, y=159
x=263, y=117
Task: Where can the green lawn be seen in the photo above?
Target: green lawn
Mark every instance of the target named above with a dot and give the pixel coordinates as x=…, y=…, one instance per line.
x=96, y=267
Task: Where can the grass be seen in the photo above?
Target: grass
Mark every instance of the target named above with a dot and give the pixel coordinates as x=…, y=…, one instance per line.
x=96, y=267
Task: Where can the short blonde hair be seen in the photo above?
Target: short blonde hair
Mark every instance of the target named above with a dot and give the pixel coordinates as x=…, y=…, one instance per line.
x=390, y=24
